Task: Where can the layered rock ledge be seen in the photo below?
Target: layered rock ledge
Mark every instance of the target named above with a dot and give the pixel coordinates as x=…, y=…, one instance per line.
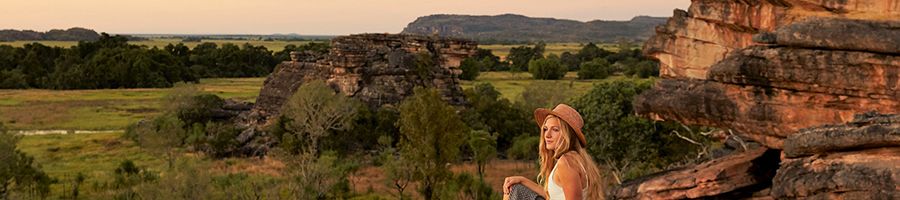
x=795, y=76
x=768, y=68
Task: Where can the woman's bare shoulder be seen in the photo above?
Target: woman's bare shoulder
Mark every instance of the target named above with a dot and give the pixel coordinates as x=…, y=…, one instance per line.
x=568, y=163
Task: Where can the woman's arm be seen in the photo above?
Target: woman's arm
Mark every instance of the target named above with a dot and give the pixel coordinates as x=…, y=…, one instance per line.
x=512, y=180
x=568, y=175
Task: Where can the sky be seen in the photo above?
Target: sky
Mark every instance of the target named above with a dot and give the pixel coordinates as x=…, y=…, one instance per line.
x=306, y=17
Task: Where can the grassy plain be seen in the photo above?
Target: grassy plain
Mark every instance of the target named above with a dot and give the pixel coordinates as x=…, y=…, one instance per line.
x=502, y=50
x=97, y=155
x=114, y=109
x=102, y=109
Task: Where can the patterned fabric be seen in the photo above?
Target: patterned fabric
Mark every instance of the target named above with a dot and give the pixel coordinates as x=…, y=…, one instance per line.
x=520, y=192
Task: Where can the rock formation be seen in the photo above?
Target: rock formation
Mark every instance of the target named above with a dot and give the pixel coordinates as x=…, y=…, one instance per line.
x=768, y=70
x=812, y=63
x=378, y=69
x=859, y=160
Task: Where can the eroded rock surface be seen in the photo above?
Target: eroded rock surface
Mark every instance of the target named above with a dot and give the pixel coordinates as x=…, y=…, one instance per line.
x=768, y=70
x=378, y=69
x=717, y=178
x=773, y=67
x=858, y=160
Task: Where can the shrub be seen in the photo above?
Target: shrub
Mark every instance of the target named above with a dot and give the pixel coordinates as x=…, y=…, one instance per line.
x=632, y=146
x=484, y=148
x=369, y=125
x=322, y=177
x=432, y=134
x=466, y=186
x=17, y=170
x=312, y=113
x=524, y=147
x=549, y=68
x=595, y=69
x=470, y=67
x=491, y=113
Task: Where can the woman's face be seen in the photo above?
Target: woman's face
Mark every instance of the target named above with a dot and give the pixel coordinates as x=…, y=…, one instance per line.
x=551, y=132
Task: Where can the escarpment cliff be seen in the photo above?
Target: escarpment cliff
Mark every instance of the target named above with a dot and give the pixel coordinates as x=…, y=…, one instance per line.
x=771, y=71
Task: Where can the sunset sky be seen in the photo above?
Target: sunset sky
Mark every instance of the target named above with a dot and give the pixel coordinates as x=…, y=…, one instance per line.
x=324, y=17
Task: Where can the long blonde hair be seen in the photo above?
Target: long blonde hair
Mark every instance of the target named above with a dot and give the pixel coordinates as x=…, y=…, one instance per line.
x=568, y=143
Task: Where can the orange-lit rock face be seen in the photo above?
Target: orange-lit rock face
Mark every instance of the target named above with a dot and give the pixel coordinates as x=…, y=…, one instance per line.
x=707, y=179
x=767, y=68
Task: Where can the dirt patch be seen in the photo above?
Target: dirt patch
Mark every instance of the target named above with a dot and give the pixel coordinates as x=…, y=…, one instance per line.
x=373, y=178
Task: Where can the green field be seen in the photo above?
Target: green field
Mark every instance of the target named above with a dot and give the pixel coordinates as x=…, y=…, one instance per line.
x=502, y=50
x=102, y=109
x=114, y=109
x=97, y=155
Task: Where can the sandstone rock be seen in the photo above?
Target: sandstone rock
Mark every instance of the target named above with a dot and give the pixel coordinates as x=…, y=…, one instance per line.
x=858, y=160
x=872, y=132
x=831, y=33
x=280, y=85
x=823, y=62
x=378, y=69
x=767, y=70
x=719, y=178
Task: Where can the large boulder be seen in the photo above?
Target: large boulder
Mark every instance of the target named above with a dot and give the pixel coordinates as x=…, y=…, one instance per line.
x=768, y=70
x=858, y=160
x=378, y=69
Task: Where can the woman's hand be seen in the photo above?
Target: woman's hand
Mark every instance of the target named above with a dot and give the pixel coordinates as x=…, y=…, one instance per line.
x=510, y=181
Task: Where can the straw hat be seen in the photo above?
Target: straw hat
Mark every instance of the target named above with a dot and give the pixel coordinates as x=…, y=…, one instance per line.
x=565, y=113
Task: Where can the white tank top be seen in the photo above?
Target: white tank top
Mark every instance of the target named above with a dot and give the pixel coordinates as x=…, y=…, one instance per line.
x=554, y=191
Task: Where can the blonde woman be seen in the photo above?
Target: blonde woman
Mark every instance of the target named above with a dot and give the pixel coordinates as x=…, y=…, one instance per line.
x=567, y=172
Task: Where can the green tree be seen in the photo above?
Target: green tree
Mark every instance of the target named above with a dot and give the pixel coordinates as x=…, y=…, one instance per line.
x=470, y=67
x=490, y=61
x=590, y=52
x=595, y=69
x=524, y=147
x=398, y=169
x=13, y=79
x=549, y=68
x=571, y=61
x=318, y=177
x=314, y=111
x=425, y=67
x=17, y=169
x=432, y=134
x=522, y=55
x=491, y=113
x=484, y=148
x=645, y=69
x=630, y=145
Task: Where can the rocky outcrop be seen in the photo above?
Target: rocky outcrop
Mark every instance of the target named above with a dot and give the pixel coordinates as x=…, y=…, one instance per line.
x=378, y=69
x=768, y=70
x=858, y=160
x=718, y=178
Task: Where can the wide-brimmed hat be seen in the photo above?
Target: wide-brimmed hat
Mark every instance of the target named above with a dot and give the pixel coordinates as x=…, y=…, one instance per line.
x=566, y=113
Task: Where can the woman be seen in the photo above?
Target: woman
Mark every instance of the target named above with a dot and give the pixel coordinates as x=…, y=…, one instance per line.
x=567, y=171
